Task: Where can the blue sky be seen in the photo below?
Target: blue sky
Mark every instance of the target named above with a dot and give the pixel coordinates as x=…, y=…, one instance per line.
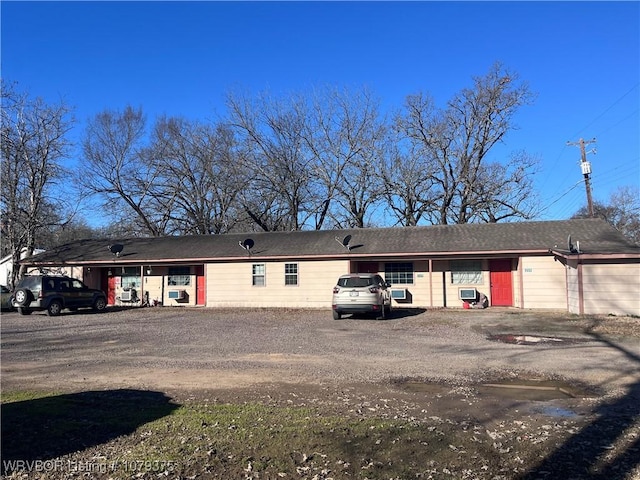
x=180, y=58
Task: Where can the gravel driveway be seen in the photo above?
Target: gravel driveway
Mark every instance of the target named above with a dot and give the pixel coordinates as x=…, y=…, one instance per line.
x=443, y=373
x=185, y=349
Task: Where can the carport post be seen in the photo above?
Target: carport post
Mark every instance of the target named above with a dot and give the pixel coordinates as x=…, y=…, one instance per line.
x=142, y=287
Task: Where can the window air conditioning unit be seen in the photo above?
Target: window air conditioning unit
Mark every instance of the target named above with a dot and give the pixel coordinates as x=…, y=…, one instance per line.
x=127, y=296
x=176, y=294
x=468, y=294
x=399, y=294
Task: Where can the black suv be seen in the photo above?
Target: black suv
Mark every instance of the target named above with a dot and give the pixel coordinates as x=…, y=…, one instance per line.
x=53, y=293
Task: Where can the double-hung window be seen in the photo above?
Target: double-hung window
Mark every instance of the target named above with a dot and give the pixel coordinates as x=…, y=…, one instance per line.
x=258, y=273
x=291, y=274
x=466, y=272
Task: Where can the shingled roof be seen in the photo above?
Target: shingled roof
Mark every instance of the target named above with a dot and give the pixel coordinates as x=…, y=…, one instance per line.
x=595, y=237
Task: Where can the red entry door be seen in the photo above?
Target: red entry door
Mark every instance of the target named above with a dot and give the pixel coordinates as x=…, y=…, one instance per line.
x=111, y=291
x=200, y=286
x=501, y=283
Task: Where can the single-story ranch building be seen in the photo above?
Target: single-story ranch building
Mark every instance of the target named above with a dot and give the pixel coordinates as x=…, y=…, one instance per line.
x=583, y=266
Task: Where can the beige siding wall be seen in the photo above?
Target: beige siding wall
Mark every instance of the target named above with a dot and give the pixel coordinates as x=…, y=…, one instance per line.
x=417, y=293
x=156, y=284
x=189, y=292
x=428, y=287
x=230, y=285
x=611, y=289
x=538, y=283
x=442, y=286
x=439, y=282
x=543, y=283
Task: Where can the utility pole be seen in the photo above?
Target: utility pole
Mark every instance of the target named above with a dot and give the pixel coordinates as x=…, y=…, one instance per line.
x=586, y=169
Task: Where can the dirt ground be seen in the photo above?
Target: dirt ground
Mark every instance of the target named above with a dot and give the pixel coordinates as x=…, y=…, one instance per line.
x=571, y=384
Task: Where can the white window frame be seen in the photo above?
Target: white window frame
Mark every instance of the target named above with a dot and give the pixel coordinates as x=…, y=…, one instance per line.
x=291, y=275
x=466, y=272
x=257, y=275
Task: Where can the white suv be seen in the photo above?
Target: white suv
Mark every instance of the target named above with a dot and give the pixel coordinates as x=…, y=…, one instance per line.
x=361, y=293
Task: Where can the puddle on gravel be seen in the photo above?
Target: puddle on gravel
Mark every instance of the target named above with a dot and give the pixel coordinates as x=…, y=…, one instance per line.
x=557, y=412
x=536, y=390
x=428, y=388
x=518, y=389
x=516, y=339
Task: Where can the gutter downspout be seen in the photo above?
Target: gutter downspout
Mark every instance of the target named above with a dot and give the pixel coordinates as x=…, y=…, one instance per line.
x=444, y=289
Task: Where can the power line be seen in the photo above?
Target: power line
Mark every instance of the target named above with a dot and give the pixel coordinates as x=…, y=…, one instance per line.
x=625, y=171
x=558, y=157
x=571, y=205
x=619, y=122
x=607, y=109
x=562, y=196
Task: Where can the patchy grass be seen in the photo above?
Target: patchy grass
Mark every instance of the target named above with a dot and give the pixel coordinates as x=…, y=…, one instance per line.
x=136, y=434
x=24, y=395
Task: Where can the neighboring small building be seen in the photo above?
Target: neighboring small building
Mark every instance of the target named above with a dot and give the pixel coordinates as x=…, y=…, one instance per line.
x=582, y=266
x=6, y=265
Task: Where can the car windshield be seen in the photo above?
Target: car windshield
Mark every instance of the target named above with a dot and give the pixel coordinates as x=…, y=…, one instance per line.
x=355, y=282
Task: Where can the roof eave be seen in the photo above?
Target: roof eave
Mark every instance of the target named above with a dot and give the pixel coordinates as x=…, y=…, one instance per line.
x=595, y=256
x=342, y=256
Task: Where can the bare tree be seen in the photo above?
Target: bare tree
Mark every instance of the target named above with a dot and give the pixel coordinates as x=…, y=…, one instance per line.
x=115, y=153
x=345, y=136
x=454, y=144
x=626, y=199
x=513, y=180
x=199, y=184
x=408, y=183
x=33, y=145
x=414, y=185
x=622, y=211
x=360, y=192
x=275, y=164
x=76, y=229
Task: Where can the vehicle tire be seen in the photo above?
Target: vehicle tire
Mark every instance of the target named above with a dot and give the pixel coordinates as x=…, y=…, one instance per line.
x=54, y=308
x=23, y=297
x=337, y=315
x=100, y=304
x=24, y=311
x=383, y=312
